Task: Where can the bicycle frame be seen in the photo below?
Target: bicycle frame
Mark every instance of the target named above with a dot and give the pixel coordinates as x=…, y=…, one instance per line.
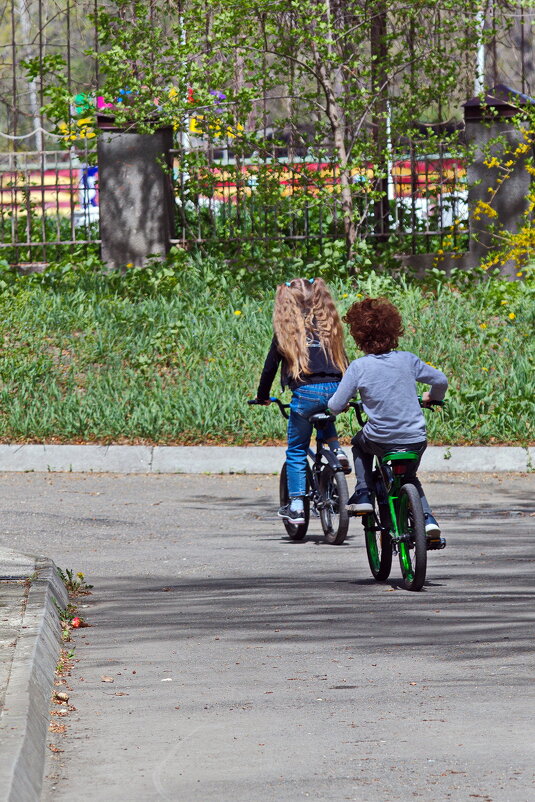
x=327, y=492
x=392, y=485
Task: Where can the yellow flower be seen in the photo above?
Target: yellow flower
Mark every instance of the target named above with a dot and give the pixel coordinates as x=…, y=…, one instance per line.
x=485, y=369
x=482, y=325
x=430, y=365
x=130, y=264
x=512, y=315
x=519, y=273
x=237, y=312
x=85, y=121
x=172, y=92
x=359, y=295
x=344, y=295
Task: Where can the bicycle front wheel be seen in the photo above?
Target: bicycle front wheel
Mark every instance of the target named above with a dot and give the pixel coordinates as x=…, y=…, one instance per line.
x=295, y=531
x=334, y=497
x=413, y=544
x=377, y=536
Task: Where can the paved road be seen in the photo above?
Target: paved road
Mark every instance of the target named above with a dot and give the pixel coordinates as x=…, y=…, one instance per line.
x=249, y=668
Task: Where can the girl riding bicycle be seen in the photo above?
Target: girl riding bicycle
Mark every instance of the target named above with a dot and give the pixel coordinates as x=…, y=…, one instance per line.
x=308, y=343
x=386, y=382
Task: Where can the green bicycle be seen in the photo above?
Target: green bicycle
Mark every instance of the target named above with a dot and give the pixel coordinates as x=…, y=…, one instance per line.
x=397, y=523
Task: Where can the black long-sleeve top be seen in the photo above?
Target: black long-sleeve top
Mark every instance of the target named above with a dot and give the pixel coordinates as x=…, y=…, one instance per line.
x=322, y=369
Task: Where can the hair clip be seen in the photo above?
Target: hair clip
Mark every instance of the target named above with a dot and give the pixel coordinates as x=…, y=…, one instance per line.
x=310, y=281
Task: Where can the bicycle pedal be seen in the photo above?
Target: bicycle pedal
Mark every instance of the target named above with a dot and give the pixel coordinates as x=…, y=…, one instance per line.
x=436, y=544
x=353, y=514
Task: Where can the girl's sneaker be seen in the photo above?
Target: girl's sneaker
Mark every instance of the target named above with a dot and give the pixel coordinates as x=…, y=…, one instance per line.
x=292, y=516
x=343, y=459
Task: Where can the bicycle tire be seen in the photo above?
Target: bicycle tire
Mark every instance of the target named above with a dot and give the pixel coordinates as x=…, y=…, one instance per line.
x=295, y=531
x=377, y=526
x=333, y=514
x=411, y=523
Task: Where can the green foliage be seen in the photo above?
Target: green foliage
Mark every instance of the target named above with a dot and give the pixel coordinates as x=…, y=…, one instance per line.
x=170, y=354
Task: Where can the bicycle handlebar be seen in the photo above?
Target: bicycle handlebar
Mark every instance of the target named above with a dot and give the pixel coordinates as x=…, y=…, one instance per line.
x=356, y=405
x=281, y=406
x=359, y=409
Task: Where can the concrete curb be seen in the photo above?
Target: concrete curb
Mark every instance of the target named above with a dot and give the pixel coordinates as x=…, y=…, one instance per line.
x=231, y=459
x=25, y=717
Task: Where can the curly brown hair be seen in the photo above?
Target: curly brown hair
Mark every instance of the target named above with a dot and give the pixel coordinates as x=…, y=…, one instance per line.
x=375, y=325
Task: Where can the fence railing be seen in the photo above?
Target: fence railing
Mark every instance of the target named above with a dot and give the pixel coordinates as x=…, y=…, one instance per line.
x=266, y=200
x=48, y=204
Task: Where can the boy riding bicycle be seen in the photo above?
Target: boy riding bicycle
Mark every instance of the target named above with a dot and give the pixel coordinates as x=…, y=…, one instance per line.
x=386, y=382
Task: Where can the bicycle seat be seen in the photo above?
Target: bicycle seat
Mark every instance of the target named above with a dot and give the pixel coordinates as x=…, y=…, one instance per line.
x=321, y=418
x=399, y=456
x=398, y=462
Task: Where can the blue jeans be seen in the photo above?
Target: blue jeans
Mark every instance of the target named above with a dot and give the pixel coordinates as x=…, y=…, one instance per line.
x=305, y=401
x=363, y=452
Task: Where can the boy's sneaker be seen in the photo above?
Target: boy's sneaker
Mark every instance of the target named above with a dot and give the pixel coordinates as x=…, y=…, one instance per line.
x=292, y=516
x=359, y=504
x=343, y=459
x=432, y=529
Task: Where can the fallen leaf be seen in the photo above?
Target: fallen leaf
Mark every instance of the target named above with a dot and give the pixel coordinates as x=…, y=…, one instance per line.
x=61, y=696
x=106, y=679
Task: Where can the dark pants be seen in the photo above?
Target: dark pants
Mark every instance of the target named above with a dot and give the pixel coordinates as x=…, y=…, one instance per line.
x=363, y=452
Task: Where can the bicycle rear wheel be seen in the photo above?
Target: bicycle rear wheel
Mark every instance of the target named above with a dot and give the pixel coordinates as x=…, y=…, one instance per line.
x=413, y=544
x=333, y=514
x=295, y=531
x=377, y=525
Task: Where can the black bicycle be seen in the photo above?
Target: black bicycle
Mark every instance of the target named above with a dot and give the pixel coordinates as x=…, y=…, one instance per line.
x=397, y=523
x=326, y=486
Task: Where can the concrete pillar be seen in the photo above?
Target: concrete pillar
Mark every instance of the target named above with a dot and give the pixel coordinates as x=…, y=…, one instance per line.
x=136, y=197
x=486, y=120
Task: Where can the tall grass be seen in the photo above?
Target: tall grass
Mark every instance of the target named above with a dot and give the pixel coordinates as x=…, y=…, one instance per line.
x=171, y=354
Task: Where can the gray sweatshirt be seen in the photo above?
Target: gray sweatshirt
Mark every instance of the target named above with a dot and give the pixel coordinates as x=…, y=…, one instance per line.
x=386, y=384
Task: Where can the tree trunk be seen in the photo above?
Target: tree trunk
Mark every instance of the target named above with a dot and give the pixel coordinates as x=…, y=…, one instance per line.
x=335, y=115
x=379, y=51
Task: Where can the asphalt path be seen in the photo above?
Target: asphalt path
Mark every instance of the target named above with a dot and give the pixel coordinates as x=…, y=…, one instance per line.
x=246, y=667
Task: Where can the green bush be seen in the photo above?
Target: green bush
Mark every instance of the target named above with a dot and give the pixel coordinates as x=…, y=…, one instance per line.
x=172, y=352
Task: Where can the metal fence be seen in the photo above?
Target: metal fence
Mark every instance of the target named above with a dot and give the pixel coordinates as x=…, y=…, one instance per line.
x=48, y=205
x=49, y=195
x=300, y=200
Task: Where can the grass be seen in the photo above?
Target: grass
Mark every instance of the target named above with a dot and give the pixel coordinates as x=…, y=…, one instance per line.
x=171, y=354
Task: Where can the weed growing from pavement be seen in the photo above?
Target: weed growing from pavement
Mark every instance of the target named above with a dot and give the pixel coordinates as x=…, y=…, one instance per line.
x=74, y=583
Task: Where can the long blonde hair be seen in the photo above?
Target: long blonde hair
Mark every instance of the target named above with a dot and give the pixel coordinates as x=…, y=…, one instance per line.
x=306, y=307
